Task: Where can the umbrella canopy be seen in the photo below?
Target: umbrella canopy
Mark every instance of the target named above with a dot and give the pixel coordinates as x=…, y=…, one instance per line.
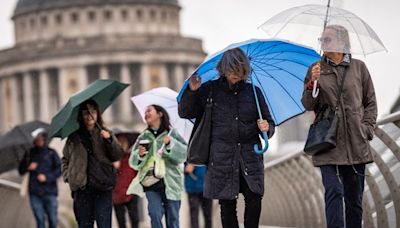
x=278, y=69
x=165, y=98
x=305, y=24
x=16, y=142
x=104, y=92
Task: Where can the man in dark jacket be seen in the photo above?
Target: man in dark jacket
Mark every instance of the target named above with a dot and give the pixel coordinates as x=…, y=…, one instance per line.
x=233, y=166
x=44, y=167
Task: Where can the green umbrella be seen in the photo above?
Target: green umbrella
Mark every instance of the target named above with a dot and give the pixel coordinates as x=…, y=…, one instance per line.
x=104, y=92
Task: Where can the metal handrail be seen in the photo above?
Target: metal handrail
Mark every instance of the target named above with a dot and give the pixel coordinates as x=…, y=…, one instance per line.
x=289, y=176
x=9, y=184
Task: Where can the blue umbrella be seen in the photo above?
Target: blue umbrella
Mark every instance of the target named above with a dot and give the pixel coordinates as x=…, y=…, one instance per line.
x=278, y=69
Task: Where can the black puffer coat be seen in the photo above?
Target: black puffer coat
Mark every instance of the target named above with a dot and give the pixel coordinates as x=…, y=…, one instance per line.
x=234, y=132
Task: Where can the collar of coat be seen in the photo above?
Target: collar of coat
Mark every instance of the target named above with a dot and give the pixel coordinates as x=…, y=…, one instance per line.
x=149, y=134
x=345, y=62
x=223, y=82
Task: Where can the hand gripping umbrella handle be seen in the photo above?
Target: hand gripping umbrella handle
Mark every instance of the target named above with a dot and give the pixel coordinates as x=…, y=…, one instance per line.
x=265, y=136
x=258, y=151
x=160, y=151
x=315, y=90
x=100, y=128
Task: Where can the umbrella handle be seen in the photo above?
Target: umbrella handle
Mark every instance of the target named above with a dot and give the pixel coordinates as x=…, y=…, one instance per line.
x=160, y=151
x=265, y=136
x=258, y=151
x=100, y=128
x=315, y=90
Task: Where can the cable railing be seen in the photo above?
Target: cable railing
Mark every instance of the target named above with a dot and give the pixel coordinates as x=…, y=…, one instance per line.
x=294, y=195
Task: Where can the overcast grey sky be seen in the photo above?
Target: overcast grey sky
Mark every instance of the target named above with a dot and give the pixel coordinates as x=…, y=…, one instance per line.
x=221, y=22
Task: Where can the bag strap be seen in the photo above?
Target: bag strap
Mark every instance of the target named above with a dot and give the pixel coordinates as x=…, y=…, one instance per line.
x=210, y=95
x=339, y=97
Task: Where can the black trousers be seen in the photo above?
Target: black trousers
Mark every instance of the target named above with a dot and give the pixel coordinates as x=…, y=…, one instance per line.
x=196, y=200
x=252, y=208
x=92, y=205
x=343, y=184
x=133, y=212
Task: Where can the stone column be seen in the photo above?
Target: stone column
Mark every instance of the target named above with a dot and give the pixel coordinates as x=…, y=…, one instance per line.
x=107, y=115
x=71, y=80
x=44, y=96
x=6, y=101
x=12, y=104
x=103, y=72
x=145, y=77
x=83, y=77
x=179, y=75
x=2, y=107
x=63, y=85
x=28, y=97
x=126, y=104
x=164, y=75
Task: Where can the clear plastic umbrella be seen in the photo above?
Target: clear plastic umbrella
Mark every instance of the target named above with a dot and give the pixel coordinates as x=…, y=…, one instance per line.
x=305, y=25
x=324, y=28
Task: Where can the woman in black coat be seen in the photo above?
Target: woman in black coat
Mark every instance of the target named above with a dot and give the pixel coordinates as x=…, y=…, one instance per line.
x=233, y=166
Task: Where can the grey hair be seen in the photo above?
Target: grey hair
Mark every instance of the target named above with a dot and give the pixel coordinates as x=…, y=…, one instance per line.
x=343, y=35
x=234, y=60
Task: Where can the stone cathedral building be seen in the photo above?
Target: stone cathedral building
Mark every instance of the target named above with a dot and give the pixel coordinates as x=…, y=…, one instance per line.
x=61, y=46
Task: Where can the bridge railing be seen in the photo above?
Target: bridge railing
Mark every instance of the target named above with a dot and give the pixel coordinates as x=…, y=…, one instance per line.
x=294, y=194
x=15, y=211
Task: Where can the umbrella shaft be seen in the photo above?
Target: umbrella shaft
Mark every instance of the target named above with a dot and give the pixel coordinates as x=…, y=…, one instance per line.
x=326, y=15
x=255, y=96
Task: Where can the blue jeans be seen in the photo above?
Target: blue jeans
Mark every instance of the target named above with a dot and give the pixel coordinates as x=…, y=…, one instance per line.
x=158, y=204
x=343, y=183
x=42, y=205
x=92, y=205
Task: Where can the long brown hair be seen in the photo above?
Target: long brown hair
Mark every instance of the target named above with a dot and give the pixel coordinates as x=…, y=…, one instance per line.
x=84, y=107
x=236, y=61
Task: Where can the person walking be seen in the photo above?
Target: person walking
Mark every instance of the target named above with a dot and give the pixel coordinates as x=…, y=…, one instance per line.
x=343, y=168
x=44, y=167
x=194, y=185
x=87, y=166
x=158, y=155
x=122, y=202
x=233, y=167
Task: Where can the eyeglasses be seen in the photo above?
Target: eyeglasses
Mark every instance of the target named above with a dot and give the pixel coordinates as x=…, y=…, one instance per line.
x=325, y=40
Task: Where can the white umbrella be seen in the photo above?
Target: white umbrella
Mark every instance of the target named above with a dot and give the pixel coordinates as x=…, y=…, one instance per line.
x=165, y=98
